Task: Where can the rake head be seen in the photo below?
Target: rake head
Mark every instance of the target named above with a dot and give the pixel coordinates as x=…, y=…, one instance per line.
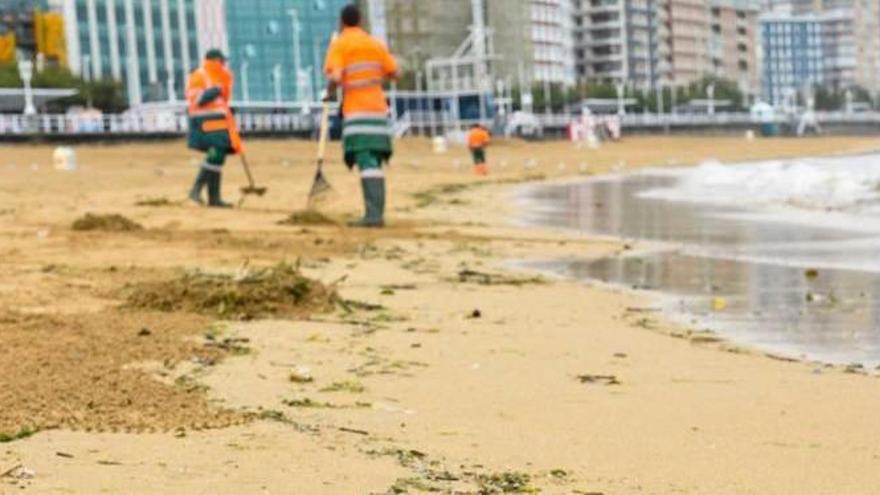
x=257, y=191
x=320, y=188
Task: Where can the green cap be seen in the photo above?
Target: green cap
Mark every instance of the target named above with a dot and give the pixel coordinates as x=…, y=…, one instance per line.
x=215, y=54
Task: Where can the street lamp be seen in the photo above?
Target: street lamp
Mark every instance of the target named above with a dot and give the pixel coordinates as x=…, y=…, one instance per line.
x=300, y=75
x=710, y=92
x=276, y=78
x=26, y=71
x=245, y=87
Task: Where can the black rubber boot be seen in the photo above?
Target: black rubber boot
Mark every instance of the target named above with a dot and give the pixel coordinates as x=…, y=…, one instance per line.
x=214, y=200
x=195, y=194
x=374, y=203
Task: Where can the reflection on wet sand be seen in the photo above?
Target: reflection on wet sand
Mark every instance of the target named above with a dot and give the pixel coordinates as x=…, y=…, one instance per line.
x=760, y=265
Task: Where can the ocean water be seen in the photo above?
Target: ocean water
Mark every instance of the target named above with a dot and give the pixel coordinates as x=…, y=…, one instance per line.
x=792, y=248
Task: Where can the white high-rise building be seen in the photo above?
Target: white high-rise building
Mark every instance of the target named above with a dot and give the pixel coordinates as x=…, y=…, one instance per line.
x=553, y=41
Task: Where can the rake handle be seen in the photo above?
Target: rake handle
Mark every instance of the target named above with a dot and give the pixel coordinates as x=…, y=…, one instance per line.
x=247, y=171
x=324, y=133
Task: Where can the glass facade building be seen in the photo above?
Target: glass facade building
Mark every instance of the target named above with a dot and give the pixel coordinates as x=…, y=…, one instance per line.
x=793, y=55
x=277, y=47
x=149, y=45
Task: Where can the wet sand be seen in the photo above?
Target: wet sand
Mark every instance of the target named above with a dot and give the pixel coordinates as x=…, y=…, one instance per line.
x=455, y=373
x=796, y=284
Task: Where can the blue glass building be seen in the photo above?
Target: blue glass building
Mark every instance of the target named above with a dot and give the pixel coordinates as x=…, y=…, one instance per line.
x=268, y=39
x=149, y=45
x=792, y=51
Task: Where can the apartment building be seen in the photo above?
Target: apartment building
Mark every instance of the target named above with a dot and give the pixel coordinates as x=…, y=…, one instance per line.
x=552, y=26
x=733, y=43
x=850, y=38
x=420, y=30
x=793, y=55
x=687, y=24
x=620, y=41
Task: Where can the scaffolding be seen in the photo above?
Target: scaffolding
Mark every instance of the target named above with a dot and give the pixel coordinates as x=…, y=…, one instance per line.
x=466, y=72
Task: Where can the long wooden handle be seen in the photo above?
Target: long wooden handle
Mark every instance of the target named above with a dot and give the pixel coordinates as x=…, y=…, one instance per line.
x=247, y=170
x=324, y=133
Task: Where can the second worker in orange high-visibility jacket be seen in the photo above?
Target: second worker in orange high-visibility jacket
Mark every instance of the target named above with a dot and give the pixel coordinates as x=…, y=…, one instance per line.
x=212, y=127
x=478, y=139
x=360, y=64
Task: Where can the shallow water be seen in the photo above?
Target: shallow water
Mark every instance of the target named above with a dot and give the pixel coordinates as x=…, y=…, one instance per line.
x=758, y=257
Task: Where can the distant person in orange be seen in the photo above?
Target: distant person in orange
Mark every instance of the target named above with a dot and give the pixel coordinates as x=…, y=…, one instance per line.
x=478, y=139
x=360, y=64
x=212, y=127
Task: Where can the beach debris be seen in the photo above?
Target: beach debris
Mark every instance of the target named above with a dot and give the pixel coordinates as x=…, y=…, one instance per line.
x=476, y=314
x=277, y=290
x=855, y=369
x=307, y=217
x=432, y=195
x=350, y=386
x=785, y=359
x=440, y=145
x=156, y=202
x=559, y=473
x=506, y=482
x=482, y=278
x=105, y=223
x=719, y=304
x=307, y=404
x=354, y=430
x=64, y=159
x=19, y=435
x=144, y=332
x=19, y=472
x=598, y=379
x=634, y=309
x=64, y=455
x=301, y=374
x=811, y=273
x=620, y=355
x=705, y=337
x=351, y=306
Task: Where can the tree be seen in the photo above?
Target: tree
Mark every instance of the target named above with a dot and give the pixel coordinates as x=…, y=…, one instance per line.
x=9, y=77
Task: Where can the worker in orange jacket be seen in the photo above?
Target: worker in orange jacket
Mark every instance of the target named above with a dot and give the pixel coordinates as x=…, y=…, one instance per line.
x=478, y=139
x=360, y=64
x=212, y=127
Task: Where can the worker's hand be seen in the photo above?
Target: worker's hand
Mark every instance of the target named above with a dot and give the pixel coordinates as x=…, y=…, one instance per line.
x=210, y=95
x=329, y=93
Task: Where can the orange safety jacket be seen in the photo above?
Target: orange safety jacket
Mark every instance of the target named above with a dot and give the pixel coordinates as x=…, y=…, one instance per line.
x=478, y=138
x=364, y=63
x=215, y=115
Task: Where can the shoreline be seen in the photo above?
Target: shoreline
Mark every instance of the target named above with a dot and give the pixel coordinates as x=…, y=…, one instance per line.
x=553, y=385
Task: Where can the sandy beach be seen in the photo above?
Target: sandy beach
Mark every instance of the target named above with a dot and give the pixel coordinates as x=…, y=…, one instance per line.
x=406, y=360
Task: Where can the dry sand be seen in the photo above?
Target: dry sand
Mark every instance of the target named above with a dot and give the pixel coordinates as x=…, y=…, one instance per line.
x=444, y=371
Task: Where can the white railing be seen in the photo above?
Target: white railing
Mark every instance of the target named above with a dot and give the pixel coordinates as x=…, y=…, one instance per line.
x=137, y=124
x=413, y=122
x=719, y=119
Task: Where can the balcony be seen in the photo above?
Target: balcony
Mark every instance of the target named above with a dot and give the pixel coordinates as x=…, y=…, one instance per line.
x=605, y=57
